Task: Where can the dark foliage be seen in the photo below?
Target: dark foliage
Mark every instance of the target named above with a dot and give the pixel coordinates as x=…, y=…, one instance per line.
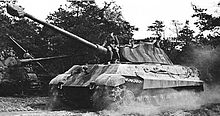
x=86, y=20
x=157, y=27
x=89, y=22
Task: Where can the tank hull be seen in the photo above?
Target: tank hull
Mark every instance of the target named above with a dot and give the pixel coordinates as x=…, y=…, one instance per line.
x=104, y=84
x=98, y=85
x=148, y=75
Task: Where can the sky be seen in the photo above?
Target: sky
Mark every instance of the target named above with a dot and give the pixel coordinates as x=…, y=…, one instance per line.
x=140, y=13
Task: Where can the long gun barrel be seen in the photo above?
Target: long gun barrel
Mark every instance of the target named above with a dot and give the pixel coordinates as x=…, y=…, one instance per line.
x=15, y=10
x=43, y=59
x=13, y=40
x=25, y=51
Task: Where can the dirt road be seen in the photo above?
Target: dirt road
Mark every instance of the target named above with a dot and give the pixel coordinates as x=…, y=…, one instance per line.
x=37, y=106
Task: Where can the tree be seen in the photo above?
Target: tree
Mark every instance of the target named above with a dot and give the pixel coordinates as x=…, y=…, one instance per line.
x=157, y=27
x=205, y=21
x=186, y=34
x=89, y=22
x=209, y=24
x=26, y=32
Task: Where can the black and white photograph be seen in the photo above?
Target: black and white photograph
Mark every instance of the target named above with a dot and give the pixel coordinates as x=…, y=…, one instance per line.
x=109, y=58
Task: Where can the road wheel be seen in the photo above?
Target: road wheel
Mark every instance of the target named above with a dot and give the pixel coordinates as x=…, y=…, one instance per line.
x=111, y=97
x=123, y=98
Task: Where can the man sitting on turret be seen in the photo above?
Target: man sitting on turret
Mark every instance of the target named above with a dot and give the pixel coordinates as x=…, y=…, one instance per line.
x=157, y=41
x=112, y=44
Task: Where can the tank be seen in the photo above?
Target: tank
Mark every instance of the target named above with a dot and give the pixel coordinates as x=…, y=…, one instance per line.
x=17, y=75
x=145, y=71
x=16, y=78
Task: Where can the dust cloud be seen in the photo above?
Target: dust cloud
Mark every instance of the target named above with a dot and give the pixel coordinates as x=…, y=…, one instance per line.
x=177, y=101
x=207, y=60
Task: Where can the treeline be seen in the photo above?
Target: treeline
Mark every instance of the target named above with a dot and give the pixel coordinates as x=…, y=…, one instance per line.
x=199, y=49
x=93, y=23
x=86, y=20
x=194, y=49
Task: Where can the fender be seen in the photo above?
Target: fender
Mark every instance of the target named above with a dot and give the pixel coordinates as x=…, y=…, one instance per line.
x=110, y=80
x=61, y=78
